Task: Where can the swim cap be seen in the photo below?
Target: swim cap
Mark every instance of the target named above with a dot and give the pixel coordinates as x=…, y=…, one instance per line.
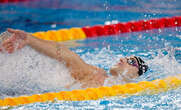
x=143, y=67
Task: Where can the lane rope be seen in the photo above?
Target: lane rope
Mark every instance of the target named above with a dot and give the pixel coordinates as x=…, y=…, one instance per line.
x=140, y=88
x=107, y=30
x=7, y=1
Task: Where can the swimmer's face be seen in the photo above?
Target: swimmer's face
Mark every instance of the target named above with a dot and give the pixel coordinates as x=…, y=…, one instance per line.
x=127, y=66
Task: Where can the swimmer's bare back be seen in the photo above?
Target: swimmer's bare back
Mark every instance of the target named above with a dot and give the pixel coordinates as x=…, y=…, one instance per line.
x=87, y=75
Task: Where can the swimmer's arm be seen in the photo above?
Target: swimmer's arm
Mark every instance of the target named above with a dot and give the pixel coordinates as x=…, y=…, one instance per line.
x=52, y=49
x=56, y=50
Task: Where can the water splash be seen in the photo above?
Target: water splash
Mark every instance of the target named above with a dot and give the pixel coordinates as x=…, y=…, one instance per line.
x=163, y=63
x=29, y=72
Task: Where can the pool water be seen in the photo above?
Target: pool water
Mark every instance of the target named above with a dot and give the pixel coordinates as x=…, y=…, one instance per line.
x=160, y=48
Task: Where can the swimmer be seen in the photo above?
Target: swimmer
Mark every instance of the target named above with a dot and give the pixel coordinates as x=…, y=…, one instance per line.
x=87, y=75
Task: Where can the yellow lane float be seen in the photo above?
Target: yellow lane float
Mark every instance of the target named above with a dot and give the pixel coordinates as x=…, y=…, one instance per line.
x=140, y=88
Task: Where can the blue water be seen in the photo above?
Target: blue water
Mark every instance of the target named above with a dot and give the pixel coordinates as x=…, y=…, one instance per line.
x=160, y=48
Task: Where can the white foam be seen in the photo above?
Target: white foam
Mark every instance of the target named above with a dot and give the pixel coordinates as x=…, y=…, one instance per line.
x=163, y=64
x=27, y=72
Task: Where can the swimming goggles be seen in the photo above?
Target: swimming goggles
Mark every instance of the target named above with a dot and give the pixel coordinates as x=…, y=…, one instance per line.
x=132, y=62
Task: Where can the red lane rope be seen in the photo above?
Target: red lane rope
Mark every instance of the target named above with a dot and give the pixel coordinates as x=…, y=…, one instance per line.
x=6, y=1
x=132, y=26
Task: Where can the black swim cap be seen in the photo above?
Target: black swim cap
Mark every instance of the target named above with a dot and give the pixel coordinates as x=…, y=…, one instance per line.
x=143, y=67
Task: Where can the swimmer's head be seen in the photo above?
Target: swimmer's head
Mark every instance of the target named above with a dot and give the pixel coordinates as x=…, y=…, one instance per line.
x=129, y=66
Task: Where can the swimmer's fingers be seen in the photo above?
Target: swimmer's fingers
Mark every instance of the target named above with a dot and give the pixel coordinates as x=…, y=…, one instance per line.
x=9, y=48
x=12, y=30
x=9, y=41
x=18, y=33
x=7, y=44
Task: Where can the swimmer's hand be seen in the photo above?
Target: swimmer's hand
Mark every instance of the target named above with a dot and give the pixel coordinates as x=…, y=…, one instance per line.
x=17, y=40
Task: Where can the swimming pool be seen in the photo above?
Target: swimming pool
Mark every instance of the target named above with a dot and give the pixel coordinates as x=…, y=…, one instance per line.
x=160, y=48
